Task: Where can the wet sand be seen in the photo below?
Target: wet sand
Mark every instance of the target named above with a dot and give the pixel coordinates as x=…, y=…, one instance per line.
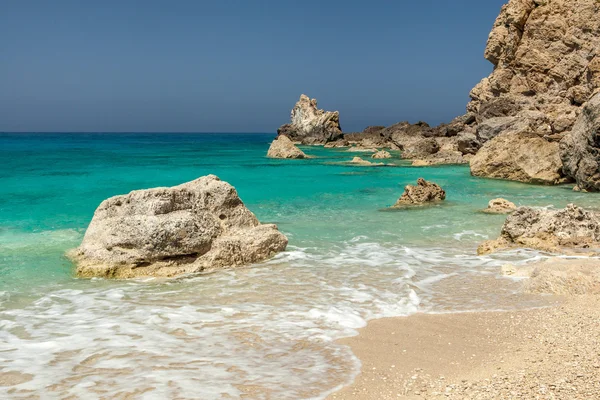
x=547, y=353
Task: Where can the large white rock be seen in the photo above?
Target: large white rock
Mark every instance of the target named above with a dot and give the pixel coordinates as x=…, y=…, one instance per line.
x=166, y=232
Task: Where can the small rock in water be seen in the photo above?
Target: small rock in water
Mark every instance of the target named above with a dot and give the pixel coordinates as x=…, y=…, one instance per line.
x=424, y=192
x=283, y=147
x=500, y=206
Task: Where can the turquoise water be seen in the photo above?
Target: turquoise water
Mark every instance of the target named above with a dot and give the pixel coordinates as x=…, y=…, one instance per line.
x=266, y=331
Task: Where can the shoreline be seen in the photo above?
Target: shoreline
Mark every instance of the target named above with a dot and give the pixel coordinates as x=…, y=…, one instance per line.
x=546, y=353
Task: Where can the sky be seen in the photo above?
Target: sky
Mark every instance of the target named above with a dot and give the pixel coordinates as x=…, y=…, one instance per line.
x=236, y=65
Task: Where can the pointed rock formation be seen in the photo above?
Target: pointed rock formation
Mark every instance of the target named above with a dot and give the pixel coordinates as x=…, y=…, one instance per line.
x=310, y=125
x=283, y=147
x=196, y=226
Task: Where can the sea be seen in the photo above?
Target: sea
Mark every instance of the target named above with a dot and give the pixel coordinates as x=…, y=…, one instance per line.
x=265, y=331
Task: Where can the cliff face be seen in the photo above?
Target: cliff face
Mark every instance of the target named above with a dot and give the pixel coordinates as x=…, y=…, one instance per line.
x=310, y=125
x=546, y=67
x=545, y=54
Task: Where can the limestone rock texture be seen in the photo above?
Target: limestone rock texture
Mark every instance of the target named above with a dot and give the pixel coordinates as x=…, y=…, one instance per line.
x=283, y=147
x=165, y=232
x=547, y=230
x=519, y=157
x=311, y=125
x=580, y=149
x=546, y=66
x=500, y=206
x=424, y=192
x=443, y=157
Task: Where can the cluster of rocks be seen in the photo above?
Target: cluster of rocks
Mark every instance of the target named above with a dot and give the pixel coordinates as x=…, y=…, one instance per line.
x=166, y=232
x=534, y=119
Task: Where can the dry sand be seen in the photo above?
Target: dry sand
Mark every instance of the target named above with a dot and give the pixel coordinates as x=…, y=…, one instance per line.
x=548, y=353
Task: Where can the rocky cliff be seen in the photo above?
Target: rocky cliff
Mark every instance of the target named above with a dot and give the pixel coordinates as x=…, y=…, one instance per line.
x=310, y=125
x=546, y=67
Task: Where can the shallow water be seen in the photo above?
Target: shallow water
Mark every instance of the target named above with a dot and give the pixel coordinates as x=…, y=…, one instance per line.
x=265, y=331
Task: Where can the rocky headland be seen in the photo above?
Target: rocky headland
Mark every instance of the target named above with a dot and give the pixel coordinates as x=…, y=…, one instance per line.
x=534, y=119
x=165, y=232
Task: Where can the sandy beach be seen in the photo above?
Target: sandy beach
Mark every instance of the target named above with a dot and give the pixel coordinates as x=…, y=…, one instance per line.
x=545, y=353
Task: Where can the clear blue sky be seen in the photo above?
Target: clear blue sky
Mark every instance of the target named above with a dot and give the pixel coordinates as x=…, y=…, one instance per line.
x=236, y=66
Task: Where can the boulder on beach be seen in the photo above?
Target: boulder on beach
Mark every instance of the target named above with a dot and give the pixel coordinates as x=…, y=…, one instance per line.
x=500, y=206
x=283, y=147
x=559, y=231
x=381, y=154
x=580, y=149
x=424, y=192
x=166, y=232
x=310, y=125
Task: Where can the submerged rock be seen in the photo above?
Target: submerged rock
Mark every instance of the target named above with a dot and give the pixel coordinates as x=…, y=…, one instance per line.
x=196, y=226
x=360, y=161
x=547, y=230
x=580, y=149
x=500, y=206
x=518, y=157
x=283, y=147
x=424, y=192
x=381, y=154
x=310, y=125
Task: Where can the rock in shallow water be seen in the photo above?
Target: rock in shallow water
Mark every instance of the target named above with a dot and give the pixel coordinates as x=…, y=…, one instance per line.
x=547, y=230
x=500, y=206
x=166, y=232
x=424, y=192
x=283, y=147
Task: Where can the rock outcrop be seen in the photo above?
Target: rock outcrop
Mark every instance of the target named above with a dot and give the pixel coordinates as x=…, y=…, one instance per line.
x=193, y=227
x=310, y=125
x=519, y=157
x=500, y=206
x=546, y=66
x=547, y=230
x=580, y=149
x=424, y=192
x=283, y=147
